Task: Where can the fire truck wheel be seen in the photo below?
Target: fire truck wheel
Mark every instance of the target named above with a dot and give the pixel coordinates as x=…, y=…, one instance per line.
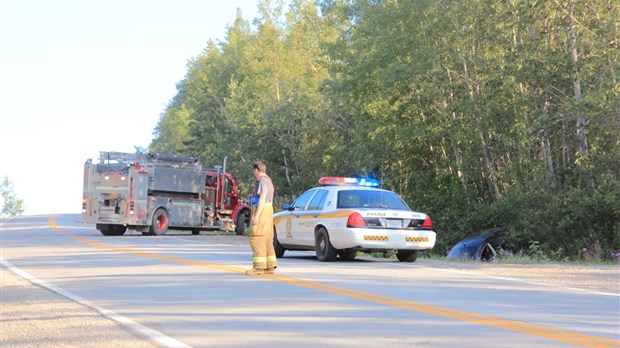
x=240, y=228
x=111, y=230
x=160, y=222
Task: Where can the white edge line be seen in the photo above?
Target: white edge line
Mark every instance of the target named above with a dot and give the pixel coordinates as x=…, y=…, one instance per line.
x=524, y=281
x=140, y=329
x=4, y=220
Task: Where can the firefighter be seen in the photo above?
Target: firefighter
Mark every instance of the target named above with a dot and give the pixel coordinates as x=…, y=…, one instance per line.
x=261, y=239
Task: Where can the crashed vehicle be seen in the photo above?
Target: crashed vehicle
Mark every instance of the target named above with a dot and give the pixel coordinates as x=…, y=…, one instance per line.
x=481, y=246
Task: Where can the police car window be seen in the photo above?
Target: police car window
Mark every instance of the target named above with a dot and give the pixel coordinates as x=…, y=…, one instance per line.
x=370, y=199
x=317, y=201
x=302, y=201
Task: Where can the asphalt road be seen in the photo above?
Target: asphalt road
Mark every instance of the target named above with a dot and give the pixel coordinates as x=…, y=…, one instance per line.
x=183, y=290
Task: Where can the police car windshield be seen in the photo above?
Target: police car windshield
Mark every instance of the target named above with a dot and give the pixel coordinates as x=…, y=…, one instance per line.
x=370, y=199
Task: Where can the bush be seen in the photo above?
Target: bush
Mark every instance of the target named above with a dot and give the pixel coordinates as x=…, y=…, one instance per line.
x=554, y=225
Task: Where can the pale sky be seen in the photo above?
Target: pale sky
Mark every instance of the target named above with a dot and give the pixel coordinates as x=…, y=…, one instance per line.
x=82, y=76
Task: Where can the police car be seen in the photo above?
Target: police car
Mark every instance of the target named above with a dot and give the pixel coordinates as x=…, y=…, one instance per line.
x=347, y=215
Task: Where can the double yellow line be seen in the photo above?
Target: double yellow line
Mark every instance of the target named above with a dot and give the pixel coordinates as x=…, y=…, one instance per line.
x=536, y=330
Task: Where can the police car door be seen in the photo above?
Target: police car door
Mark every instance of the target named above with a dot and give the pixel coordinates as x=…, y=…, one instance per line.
x=302, y=230
x=313, y=215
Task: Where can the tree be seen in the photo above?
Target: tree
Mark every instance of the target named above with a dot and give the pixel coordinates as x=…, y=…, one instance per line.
x=12, y=206
x=481, y=114
x=256, y=95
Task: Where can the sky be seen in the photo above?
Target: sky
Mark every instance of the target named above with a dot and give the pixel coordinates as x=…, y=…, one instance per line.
x=82, y=76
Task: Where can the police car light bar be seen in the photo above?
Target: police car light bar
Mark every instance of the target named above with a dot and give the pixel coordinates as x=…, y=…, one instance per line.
x=343, y=181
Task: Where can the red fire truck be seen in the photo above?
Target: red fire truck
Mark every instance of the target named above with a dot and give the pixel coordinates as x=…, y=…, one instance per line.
x=153, y=193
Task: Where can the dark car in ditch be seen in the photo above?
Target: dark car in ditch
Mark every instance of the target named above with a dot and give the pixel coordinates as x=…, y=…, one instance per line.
x=480, y=246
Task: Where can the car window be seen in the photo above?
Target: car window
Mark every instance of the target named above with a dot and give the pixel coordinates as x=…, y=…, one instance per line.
x=302, y=201
x=210, y=180
x=317, y=201
x=370, y=199
x=228, y=185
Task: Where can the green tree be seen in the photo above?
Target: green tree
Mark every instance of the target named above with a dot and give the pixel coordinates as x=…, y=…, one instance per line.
x=483, y=115
x=465, y=107
x=12, y=205
x=256, y=95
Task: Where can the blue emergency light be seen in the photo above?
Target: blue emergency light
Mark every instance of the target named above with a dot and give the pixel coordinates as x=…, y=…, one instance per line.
x=344, y=181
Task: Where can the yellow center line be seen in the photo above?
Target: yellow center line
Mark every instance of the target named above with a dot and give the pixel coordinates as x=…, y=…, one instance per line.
x=537, y=330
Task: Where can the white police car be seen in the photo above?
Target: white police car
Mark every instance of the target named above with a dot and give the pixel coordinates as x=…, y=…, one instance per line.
x=347, y=215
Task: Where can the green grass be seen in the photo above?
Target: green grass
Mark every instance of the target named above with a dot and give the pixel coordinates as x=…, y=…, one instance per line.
x=521, y=259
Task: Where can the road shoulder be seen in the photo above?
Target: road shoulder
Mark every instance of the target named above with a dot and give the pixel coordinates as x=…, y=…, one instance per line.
x=603, y=278
x=32, y=316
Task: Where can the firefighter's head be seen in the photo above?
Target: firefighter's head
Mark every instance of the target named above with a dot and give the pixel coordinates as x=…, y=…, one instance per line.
x=260, y=167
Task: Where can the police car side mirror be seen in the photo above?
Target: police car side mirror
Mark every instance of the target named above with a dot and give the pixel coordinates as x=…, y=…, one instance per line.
x=287, y=206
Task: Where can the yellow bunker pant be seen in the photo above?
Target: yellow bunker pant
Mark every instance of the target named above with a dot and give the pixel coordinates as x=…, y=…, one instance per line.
x=261, y=240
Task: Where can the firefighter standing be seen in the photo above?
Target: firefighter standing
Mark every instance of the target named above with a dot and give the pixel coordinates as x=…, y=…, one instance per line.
x=261, y=239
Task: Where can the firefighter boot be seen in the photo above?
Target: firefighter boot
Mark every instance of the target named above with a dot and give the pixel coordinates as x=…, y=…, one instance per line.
x=255, y=271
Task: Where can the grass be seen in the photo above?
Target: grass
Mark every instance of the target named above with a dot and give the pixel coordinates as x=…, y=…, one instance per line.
x=522, y=259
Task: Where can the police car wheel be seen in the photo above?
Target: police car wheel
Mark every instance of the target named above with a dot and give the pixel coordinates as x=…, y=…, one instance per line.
x=407, y=255
x=279, y=249
x=324, y=249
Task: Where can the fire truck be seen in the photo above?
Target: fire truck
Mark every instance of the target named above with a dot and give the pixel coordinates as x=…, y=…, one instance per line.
x=153, y=193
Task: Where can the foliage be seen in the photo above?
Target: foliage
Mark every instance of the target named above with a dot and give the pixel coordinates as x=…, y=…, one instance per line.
x=483, y=115
x=11, y=204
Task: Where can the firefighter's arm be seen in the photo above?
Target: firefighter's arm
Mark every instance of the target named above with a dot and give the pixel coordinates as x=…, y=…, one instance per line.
x=262, y=197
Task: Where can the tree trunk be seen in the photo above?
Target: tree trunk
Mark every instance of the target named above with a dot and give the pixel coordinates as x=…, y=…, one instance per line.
x=490, y=177
x=492, y=181
x=582, y=139
x=460, y=172
x=286, y=170
x=546, y=149
x=565, y=152
x=459, y=160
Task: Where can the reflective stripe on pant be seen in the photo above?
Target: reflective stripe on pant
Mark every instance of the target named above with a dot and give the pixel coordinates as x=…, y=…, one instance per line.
x=261, y=240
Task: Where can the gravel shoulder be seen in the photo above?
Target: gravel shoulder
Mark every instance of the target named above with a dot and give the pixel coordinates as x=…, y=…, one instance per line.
x=602, y=278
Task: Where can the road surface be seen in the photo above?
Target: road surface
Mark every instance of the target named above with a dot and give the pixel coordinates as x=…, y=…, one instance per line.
x=182, y=290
